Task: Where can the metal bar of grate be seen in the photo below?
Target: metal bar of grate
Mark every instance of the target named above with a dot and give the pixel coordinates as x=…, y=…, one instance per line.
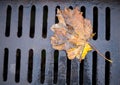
x=26, y=55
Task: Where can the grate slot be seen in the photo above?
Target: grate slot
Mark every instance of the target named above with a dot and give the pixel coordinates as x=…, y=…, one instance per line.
x=83, y=9
x=45, y=17
x=5, y=65
x=94, y=68
x=107, y=15
x=43, y=63
x=81, y=72
x=8, y=21
x=68, y=75
x=20, y=18
x=30, y=66
x=107, y=69
x=56, y=54
x=95, y=23
x=56, y=19
x=68, y=72
x=18, y=59
x=32, y=22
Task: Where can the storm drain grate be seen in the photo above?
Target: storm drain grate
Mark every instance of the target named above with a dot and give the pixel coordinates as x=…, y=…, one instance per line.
x=26, y=55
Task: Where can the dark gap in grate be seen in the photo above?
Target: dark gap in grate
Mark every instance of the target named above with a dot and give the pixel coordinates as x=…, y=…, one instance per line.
x=30, y=66
x=83, y=9
x=56, y=19
x=18, y=59
x=32, y=22
x=94, y=68
x=45, y=17
x=20, y=18
x=5, y=65
x=107, y=69
x=95, y=23
x=68, y=71
x=68, y=65
x=81, y=72
x=8, y=21
x=56, y=54
x=71, y=7
x=43, y=63
x=107, y=15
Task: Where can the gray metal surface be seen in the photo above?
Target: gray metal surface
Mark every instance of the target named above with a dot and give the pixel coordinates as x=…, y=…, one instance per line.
x=38, y=43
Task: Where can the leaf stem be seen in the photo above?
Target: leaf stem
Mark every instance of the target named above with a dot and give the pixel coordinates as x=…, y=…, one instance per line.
x=100, y=53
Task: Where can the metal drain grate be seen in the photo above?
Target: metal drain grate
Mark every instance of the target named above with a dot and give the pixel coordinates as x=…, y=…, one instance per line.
x=26, y=56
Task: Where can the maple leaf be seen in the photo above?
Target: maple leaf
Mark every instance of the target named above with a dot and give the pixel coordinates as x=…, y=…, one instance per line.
x=72, y=33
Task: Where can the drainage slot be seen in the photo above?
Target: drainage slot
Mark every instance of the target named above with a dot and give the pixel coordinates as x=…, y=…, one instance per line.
x=43, y=63
x=68, y=71
x=8, y=21
x=56, y=19
x=107, y=15
x=107, y=69
x=30, y=66
x=81, y=72
x=5, y=65
x=94, y=68
x=82, y=62
x=95, y=23
x=32, y=22
x=56, y=54
x=83, y=9
x=45, y=17
x=68, y=64
x=71, y=7
x=20, y=18
x=17, y=72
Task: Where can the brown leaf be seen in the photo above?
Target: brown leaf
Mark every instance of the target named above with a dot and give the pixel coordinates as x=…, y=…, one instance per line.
x=71, y=33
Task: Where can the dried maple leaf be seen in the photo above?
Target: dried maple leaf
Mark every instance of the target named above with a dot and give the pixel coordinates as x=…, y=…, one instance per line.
x=72, y=33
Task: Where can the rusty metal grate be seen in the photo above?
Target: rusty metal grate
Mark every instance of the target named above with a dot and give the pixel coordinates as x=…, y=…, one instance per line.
x=26, y=56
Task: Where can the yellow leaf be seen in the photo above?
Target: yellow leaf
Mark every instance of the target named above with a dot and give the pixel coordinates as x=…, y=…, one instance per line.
x=86, y=49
